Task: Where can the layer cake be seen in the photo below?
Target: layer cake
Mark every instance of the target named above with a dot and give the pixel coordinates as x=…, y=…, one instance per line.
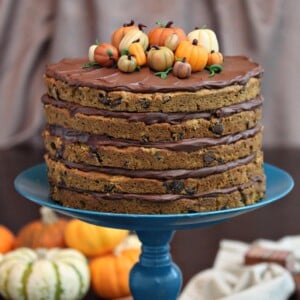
x=137, y=143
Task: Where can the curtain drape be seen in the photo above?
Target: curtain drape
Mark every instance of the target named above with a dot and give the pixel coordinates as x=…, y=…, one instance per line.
x=34, y=32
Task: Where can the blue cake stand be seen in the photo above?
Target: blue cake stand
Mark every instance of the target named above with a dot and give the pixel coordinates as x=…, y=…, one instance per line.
x=155, y=276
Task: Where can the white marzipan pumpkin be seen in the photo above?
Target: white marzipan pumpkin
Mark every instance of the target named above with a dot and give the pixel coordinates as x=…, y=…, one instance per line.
x=206, y=38
x=58, y=274
x=134, y=35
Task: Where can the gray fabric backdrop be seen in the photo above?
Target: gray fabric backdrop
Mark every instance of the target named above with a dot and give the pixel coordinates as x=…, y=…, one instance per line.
x=35, y=32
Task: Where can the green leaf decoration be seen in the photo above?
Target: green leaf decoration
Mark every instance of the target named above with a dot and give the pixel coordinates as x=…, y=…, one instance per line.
x=90, y=64
x=213, y=69
x=164, y=74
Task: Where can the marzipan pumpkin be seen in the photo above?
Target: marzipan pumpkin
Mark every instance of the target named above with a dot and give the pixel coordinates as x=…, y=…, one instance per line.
x=45, y=233
x=215, y=58
x=137, y=50
x=172, y=41
x=182, y=69
x=131, y=36
x=159, y=34
x=106, y=55
x=127, y=63
x=119, y=33
x=92, y=240
x=160, y=58
x=206, y=38
x=195, y=54
x=110, y=273
x=7, y=239
x=44, y=274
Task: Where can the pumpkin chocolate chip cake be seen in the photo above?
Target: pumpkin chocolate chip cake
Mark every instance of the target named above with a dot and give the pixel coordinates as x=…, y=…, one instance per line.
x=154, y=126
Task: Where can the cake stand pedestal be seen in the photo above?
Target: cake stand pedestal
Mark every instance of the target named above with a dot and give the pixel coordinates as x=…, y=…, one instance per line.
x=155, y=276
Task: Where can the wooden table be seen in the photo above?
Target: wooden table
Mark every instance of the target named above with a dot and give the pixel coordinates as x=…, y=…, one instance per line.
x=193, y=250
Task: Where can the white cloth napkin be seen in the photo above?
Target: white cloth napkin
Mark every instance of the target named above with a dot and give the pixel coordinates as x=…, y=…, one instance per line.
x=230, y=279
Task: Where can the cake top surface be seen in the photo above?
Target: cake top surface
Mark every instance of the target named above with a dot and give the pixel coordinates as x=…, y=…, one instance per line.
x=236, y=70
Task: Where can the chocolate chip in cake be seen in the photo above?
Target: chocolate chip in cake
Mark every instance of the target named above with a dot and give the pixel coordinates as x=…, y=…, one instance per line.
x=209, y=157
x=177, y=136
x=52, y=146
x=175, y=186
x=115, y=102
x=217, y=128
x=106, y=101
x=98, y=158
x=145, y=138
x=166, y=99
x=158, y=156
x=190, y=191
x=108, y=188
x=144, y=103
x=103, y=99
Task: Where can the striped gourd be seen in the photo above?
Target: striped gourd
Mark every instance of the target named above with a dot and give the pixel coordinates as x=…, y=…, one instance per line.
x=58, y=274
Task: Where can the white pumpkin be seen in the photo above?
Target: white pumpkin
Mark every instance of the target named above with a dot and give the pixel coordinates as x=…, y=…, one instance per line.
x=133, y=35
x=44, y=274
x=206, y=38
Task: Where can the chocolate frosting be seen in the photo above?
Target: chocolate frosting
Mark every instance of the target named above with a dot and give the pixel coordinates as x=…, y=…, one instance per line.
x=187, y=145
x=169, y=197
x=165, y=174
x=236, y=70
x=156, y=117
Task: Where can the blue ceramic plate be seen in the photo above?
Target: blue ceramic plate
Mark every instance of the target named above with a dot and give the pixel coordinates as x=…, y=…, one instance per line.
x=33, y=185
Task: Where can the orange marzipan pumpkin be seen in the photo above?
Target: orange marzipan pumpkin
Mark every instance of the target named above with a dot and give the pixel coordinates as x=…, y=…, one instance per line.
x=196, y=55
x=158, y=35
x=119, y=33
x=106, y=55
x=7, y=239
x=215, y=57
x=110, y=273
x=47, y=232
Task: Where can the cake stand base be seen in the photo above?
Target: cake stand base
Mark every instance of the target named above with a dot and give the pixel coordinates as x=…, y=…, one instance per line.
x=155, y=276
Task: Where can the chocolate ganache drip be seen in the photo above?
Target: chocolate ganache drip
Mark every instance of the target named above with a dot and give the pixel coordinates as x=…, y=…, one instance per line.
x=155, y=117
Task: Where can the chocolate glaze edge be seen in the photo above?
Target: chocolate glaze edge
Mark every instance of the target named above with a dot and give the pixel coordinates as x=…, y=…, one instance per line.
x=165, y=197
x=236, y=70
x=165, y=174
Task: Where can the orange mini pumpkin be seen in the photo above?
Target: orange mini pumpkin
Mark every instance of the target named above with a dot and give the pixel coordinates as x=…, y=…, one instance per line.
x=110, y=273
x=215, y=57
x=119, y=33
x=45, y=233
x=196, y=55
x=158, y=35
x=7, y=239
x=106, y=55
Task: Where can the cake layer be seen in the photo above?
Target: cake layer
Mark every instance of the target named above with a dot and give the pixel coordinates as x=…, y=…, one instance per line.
x=111, y=89
x=113, y=181
x=215, y=200
x=139, y=131
x=79, y=148
x=177, y=101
